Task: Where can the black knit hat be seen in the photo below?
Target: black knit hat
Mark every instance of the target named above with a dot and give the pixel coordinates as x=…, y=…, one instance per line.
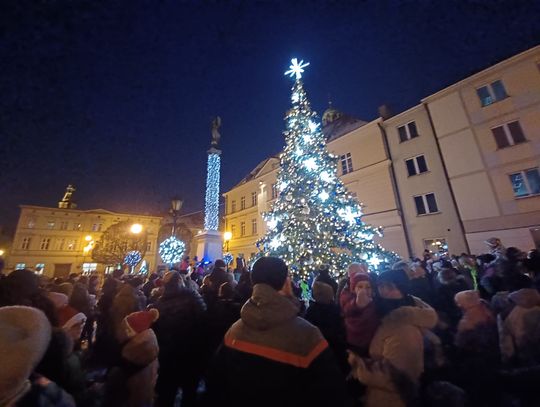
x=397, y=277
x=220, y=264
x=271, y=271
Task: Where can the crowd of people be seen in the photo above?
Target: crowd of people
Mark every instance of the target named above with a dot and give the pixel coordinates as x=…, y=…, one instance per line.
x=437, y=331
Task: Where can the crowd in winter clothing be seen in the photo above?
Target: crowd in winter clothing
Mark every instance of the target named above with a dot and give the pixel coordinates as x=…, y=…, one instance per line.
x=437, y=331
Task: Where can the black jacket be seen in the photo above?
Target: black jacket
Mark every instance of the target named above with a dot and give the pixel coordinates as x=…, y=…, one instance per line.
x=272, y=357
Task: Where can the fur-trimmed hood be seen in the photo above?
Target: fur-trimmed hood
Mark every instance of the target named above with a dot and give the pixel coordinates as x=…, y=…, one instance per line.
x=142, y=349
x=421, y=315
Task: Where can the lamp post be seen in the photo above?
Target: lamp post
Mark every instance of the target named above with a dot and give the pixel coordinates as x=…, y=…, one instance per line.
x=176, y=205
x=227, y=236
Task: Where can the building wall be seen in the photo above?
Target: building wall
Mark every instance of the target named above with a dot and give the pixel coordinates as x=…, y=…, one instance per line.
x=67, y=229
x=443, y=226
x=479, y=171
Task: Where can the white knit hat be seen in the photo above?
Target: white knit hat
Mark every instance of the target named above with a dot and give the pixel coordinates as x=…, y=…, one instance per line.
x=25, y=333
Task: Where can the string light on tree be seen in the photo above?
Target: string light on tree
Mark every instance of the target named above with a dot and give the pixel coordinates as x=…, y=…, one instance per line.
x=211, y=218
x=171, y=250
x=314, y=220
x=132, y=258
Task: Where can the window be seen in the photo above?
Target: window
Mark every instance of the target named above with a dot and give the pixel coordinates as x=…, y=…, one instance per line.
x=40, y=268
x=407, y=132
x=274, y=191
x=45, y=243
x=233, y=230
x=346, y=163
x=88, y=268
x=416, y=165
x=254, y=226
x=242, y=228
x=64, y=225
x=148, y=246
x=426, y=204
x=50, y=224
x=77, y=226
x=20, y=266
x=71, y=244
x=25, y=244
x=59, y=245
x=436, y=245
x=96, y=227
x=233, y=206
x=253, y=198
x=526, y=182
x=508, y=134
x=243, y=203
x=491, y=93
x=31, y=223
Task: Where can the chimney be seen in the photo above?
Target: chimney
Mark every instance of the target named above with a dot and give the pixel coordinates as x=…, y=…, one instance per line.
x=385, y=112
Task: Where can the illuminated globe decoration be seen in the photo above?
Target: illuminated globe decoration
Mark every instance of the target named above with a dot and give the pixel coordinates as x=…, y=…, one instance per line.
x=172, y=250
x=133, y=258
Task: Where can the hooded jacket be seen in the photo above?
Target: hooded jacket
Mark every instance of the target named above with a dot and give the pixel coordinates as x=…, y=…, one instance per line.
x=273, y=357
x=396, y=361
x=520, y=332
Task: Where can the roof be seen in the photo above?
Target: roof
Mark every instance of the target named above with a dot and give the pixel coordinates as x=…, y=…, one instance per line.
x=90, y=211
x=341, y=126
x=257, y=170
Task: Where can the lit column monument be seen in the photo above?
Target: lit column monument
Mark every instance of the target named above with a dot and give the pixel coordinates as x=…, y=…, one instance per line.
x=209, y=241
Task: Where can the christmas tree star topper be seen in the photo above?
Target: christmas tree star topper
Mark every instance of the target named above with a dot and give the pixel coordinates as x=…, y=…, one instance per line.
x=296, y=68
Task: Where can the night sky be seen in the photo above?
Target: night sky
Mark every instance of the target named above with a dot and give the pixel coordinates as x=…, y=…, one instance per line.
x=117, y=97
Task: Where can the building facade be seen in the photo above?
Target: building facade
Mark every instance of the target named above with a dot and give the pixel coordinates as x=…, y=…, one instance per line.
x=58, y=241
x=446, y=175
x=488, y=129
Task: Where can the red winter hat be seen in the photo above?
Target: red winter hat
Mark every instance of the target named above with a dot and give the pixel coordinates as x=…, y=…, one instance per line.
x=357, y=277
x=140, y=321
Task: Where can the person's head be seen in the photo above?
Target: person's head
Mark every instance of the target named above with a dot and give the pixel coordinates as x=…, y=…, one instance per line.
x=118, y=273
x=322, y=293
x=135, y=282
x=361, y=285
x=83, y=280
x=220, y=264
x=356, y=268
x=514, y=254
x=402, y=265
x=393, y=284
x=226, y=291
x=25, y=334
x=271, y=271
x=467, y=299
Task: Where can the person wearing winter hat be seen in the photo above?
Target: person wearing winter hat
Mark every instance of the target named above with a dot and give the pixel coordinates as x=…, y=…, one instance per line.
x=360, y=315
x=270, y=350
x=392, y=372
x=25, y=334
x=137, y=372
x=59, y=300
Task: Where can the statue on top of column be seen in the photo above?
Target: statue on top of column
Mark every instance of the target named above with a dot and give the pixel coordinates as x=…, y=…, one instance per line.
x=216, y=124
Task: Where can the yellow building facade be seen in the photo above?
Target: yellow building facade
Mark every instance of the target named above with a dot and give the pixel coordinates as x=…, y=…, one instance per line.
x=58, y=241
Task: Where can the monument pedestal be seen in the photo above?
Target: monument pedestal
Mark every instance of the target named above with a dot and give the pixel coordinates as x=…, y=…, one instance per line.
x=209, y=245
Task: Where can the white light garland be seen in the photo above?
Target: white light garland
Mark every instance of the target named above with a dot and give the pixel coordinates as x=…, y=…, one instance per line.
x=211, y=210
x=171, y=250
x=311, y=164
x=296, y=68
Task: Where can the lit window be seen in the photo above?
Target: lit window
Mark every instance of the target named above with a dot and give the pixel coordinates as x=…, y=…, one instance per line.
x=508, y=134
x=436, y=245
x=50, y=224
x=243, y=203
x=71, y=244
x=525, y=183
x=59, y=245
x=346, y=163
x=63, y=225
x=242, y=228
x=88, y=268
x=31, y=223
x=96, y=227
x=20, y=266
x=254, y=226
x=25, y=244
x=426, y=204
x=40, y=268
x=77, y=226
x=233, y=230
x=274, y=191
x=233, y=206
x=416, y=165
x=491, y=93
x=407, y=131
x=253, y=198
x=45, y=243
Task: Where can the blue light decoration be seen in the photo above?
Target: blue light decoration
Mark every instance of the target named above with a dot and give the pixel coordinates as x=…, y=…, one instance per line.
x=228, y=258
x=172, y=250
x=211, y=207
x=133, y=258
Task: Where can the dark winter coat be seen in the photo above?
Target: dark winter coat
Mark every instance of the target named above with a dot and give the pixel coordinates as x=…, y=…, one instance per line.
x=444, y=299
x=45, y=393
x=128, y=300
x=272, y=357
x=324, y=277
x=181, y=332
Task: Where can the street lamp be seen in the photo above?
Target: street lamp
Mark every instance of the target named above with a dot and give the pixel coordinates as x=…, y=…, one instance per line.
x=136, y=228
x=1, y=252
x=176, y=205
x=227, y=236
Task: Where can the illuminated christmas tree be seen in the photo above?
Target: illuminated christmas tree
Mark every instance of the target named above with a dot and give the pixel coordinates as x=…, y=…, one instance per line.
x=315, y=220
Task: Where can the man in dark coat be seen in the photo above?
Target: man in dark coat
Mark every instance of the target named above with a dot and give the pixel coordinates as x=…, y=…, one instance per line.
x=272, y=357
x=182, y=342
